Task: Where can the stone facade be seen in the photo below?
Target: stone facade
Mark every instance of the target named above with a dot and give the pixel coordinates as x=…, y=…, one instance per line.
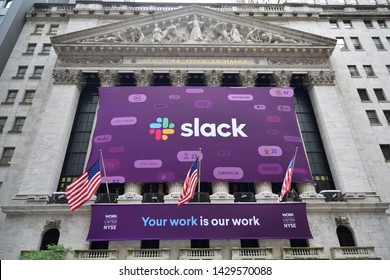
x=249, y=40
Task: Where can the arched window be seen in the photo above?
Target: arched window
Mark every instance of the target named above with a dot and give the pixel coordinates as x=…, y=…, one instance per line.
x=50, y=237
x=345, y=236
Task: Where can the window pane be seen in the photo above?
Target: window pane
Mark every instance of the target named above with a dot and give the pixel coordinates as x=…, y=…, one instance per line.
x=387, y=115
x=372, y=117
x=369, y=71
x=386, y=151
x=7, y=156
x=368, y=23
x=382, y=23
x=2, y=123
x=21, y=71
x=347, y=23
x=18, y=125
x=356, y=43
x=29, y=95
x=378, y=43
x=31, y=48
x=11, y=96
x=353, y=71
x=341, y=43
x=363, y=94
x=380, y=95
x=333, y=24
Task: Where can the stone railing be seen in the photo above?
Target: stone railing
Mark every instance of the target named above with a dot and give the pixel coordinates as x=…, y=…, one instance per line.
x=200, y=254
x=354, y=253
x=95, y=254
x=148, y=254
x=252, y=254
x=304, y=253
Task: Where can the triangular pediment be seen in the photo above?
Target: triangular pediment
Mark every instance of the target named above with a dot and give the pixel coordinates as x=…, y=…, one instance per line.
x=192, y=27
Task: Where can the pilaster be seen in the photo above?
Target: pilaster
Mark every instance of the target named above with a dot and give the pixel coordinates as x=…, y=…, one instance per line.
x=344, y=160
x=248, y=78
x=108, y=78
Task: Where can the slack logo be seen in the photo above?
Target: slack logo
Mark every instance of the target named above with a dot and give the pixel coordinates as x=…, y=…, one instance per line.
x=196, y=129
x=161, y=129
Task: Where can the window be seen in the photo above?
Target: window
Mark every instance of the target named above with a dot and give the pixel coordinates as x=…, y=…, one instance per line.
x=382, y=23
x=378, y=43
x=18, y=125
x=37, y=72
x=372, y=117
x=28, y=96
x=380, y=95
x=30, y=48
x=11, y=96
x=333, y=24
x=49, y=238
x=7, y=156
x=347, y=23
x=46, y=49
x=353, y=71
x=356, y=43
x=387, y=115
x=39, y=29
x=368, y=23
x=53, y=29
x=345, y=236
x=363, y=94
x=341, y=43
x=386, y=151
x=388, y=68
x=3, y=120
x=388, y=40
x=369, y=71
x=21, y=72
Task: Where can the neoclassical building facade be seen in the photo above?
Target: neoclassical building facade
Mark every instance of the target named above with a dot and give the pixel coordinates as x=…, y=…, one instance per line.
x=334, y=56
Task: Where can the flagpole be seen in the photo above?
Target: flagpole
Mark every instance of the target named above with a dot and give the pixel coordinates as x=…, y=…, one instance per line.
x=105, y=175
x=199, y=161
x=295, y=156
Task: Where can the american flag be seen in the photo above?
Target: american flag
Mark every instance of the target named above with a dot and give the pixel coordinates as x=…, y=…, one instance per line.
x=188, y=191
x=82, y=189
x=287, y=179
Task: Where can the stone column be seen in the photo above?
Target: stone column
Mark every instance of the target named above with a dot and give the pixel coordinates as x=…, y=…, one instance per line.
x=341, y=150
x=132, y=194
x=40, y=159
x=220, y=190
x=263, y=191
x=174, y=189
x=108, y=78
x=282, y=78
x=178, y=78
x=213, y=78
x=143, y=77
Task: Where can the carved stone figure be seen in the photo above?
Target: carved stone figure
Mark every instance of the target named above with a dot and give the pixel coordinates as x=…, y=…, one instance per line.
x=134, y=35
x=219, y=32
x=270, y=38
x=235, y=35
x=253, y=36
x=196, y=31
x=170, y=33
x=157, y=34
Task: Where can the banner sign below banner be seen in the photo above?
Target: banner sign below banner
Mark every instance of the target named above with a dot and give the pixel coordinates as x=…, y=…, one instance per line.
x=153, y=134
x=158, y=221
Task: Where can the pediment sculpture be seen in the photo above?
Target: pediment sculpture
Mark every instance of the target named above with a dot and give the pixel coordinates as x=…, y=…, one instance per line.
x=194, y=31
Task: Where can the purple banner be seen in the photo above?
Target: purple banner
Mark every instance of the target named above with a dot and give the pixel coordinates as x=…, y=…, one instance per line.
x=199, y=221
x=153, y=134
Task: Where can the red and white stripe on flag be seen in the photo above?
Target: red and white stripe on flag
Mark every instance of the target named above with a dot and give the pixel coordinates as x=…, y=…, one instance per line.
x=82, y=189
x=188, y=191
x=287, y=180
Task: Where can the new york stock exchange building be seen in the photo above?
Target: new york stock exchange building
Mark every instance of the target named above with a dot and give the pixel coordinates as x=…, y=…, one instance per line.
x=147, y=88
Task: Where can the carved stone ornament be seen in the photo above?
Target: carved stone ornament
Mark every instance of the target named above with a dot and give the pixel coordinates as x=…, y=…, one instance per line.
x=297, y=61
x=248, y=78
x=52, y=224
x=143, y=77
x=68, y=77
x=178, y=78
x=213, y=78
x=341, y=220
x=320, y=78
x=194, y=30
x=282, y=78
x=108, y=78
x=91, y=60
